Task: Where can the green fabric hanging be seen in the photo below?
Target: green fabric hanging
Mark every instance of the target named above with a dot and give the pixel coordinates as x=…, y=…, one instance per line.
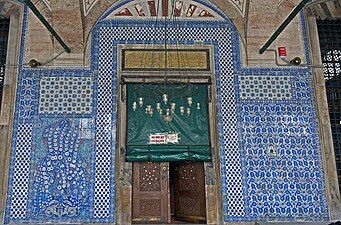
x=145, y=130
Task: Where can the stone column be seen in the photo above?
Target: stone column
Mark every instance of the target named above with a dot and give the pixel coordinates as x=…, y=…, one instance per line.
x=13, y=11
x=328, y=156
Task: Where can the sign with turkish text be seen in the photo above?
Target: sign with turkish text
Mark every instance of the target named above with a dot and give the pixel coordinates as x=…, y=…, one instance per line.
x=163, y=138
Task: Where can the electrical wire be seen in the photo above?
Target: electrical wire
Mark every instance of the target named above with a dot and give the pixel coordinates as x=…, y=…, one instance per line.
x=50, y=60
x=41, y=64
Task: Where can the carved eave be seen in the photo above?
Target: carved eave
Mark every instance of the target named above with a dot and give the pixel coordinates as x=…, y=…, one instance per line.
x=324, y=9
x=88, y=5
x=240, y=5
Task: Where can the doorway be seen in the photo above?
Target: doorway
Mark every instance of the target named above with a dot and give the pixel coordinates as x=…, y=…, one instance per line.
x=169, y=192
x=4, y=32
x=165, y=128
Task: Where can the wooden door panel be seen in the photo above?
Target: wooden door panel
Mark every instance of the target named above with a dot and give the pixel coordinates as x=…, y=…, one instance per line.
x=190, y=201
x=150, y=192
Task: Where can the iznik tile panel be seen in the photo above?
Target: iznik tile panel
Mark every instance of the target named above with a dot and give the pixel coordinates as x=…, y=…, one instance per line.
x=282, y=164
x=211, y=33
x=265, y=87
x=61, y=187
x=65, y=95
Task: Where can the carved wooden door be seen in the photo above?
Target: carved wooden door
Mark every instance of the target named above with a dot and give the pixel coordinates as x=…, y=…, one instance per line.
x=150, y=192
x=190, y=201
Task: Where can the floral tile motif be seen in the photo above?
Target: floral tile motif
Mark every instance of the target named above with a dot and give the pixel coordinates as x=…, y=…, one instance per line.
x=61, y=187
x=283, y=171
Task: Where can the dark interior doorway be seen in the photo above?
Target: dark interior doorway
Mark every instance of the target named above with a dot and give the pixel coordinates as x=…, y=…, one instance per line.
x=187, y=192
x=169, y=192
x=4, y=32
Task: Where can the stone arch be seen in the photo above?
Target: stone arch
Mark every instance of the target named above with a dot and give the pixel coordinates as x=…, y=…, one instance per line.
x=228, y=12
x=212, y=29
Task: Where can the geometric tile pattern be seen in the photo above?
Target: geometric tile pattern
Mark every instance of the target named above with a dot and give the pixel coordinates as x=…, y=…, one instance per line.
x=265, y=88
x=233, y=193
x=65, y=95
x=21, y=171
x=105, y=131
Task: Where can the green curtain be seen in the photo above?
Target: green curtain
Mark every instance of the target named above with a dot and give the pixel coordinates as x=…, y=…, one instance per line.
x=192, y=129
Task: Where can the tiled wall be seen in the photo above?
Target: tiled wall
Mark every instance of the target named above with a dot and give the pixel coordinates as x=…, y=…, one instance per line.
x=282, y=169
x=62, y=157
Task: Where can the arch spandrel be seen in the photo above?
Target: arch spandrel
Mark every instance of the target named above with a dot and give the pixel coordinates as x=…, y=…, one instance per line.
x=158, y=9
x=210, y=11
x=88, y=6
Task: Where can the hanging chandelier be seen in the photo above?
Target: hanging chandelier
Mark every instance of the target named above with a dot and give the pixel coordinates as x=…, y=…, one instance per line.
x=167, y=104
x=164, y=102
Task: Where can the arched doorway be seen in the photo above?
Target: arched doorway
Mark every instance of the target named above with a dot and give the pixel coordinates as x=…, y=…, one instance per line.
x=156, y=26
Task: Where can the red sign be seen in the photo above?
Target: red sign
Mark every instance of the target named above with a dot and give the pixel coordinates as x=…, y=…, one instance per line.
x=282, y=51
x=157, y=139
x=163, y=138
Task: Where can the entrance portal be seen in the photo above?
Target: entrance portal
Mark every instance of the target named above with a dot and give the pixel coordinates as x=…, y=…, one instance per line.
x=169, y=192
x=167, y=133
